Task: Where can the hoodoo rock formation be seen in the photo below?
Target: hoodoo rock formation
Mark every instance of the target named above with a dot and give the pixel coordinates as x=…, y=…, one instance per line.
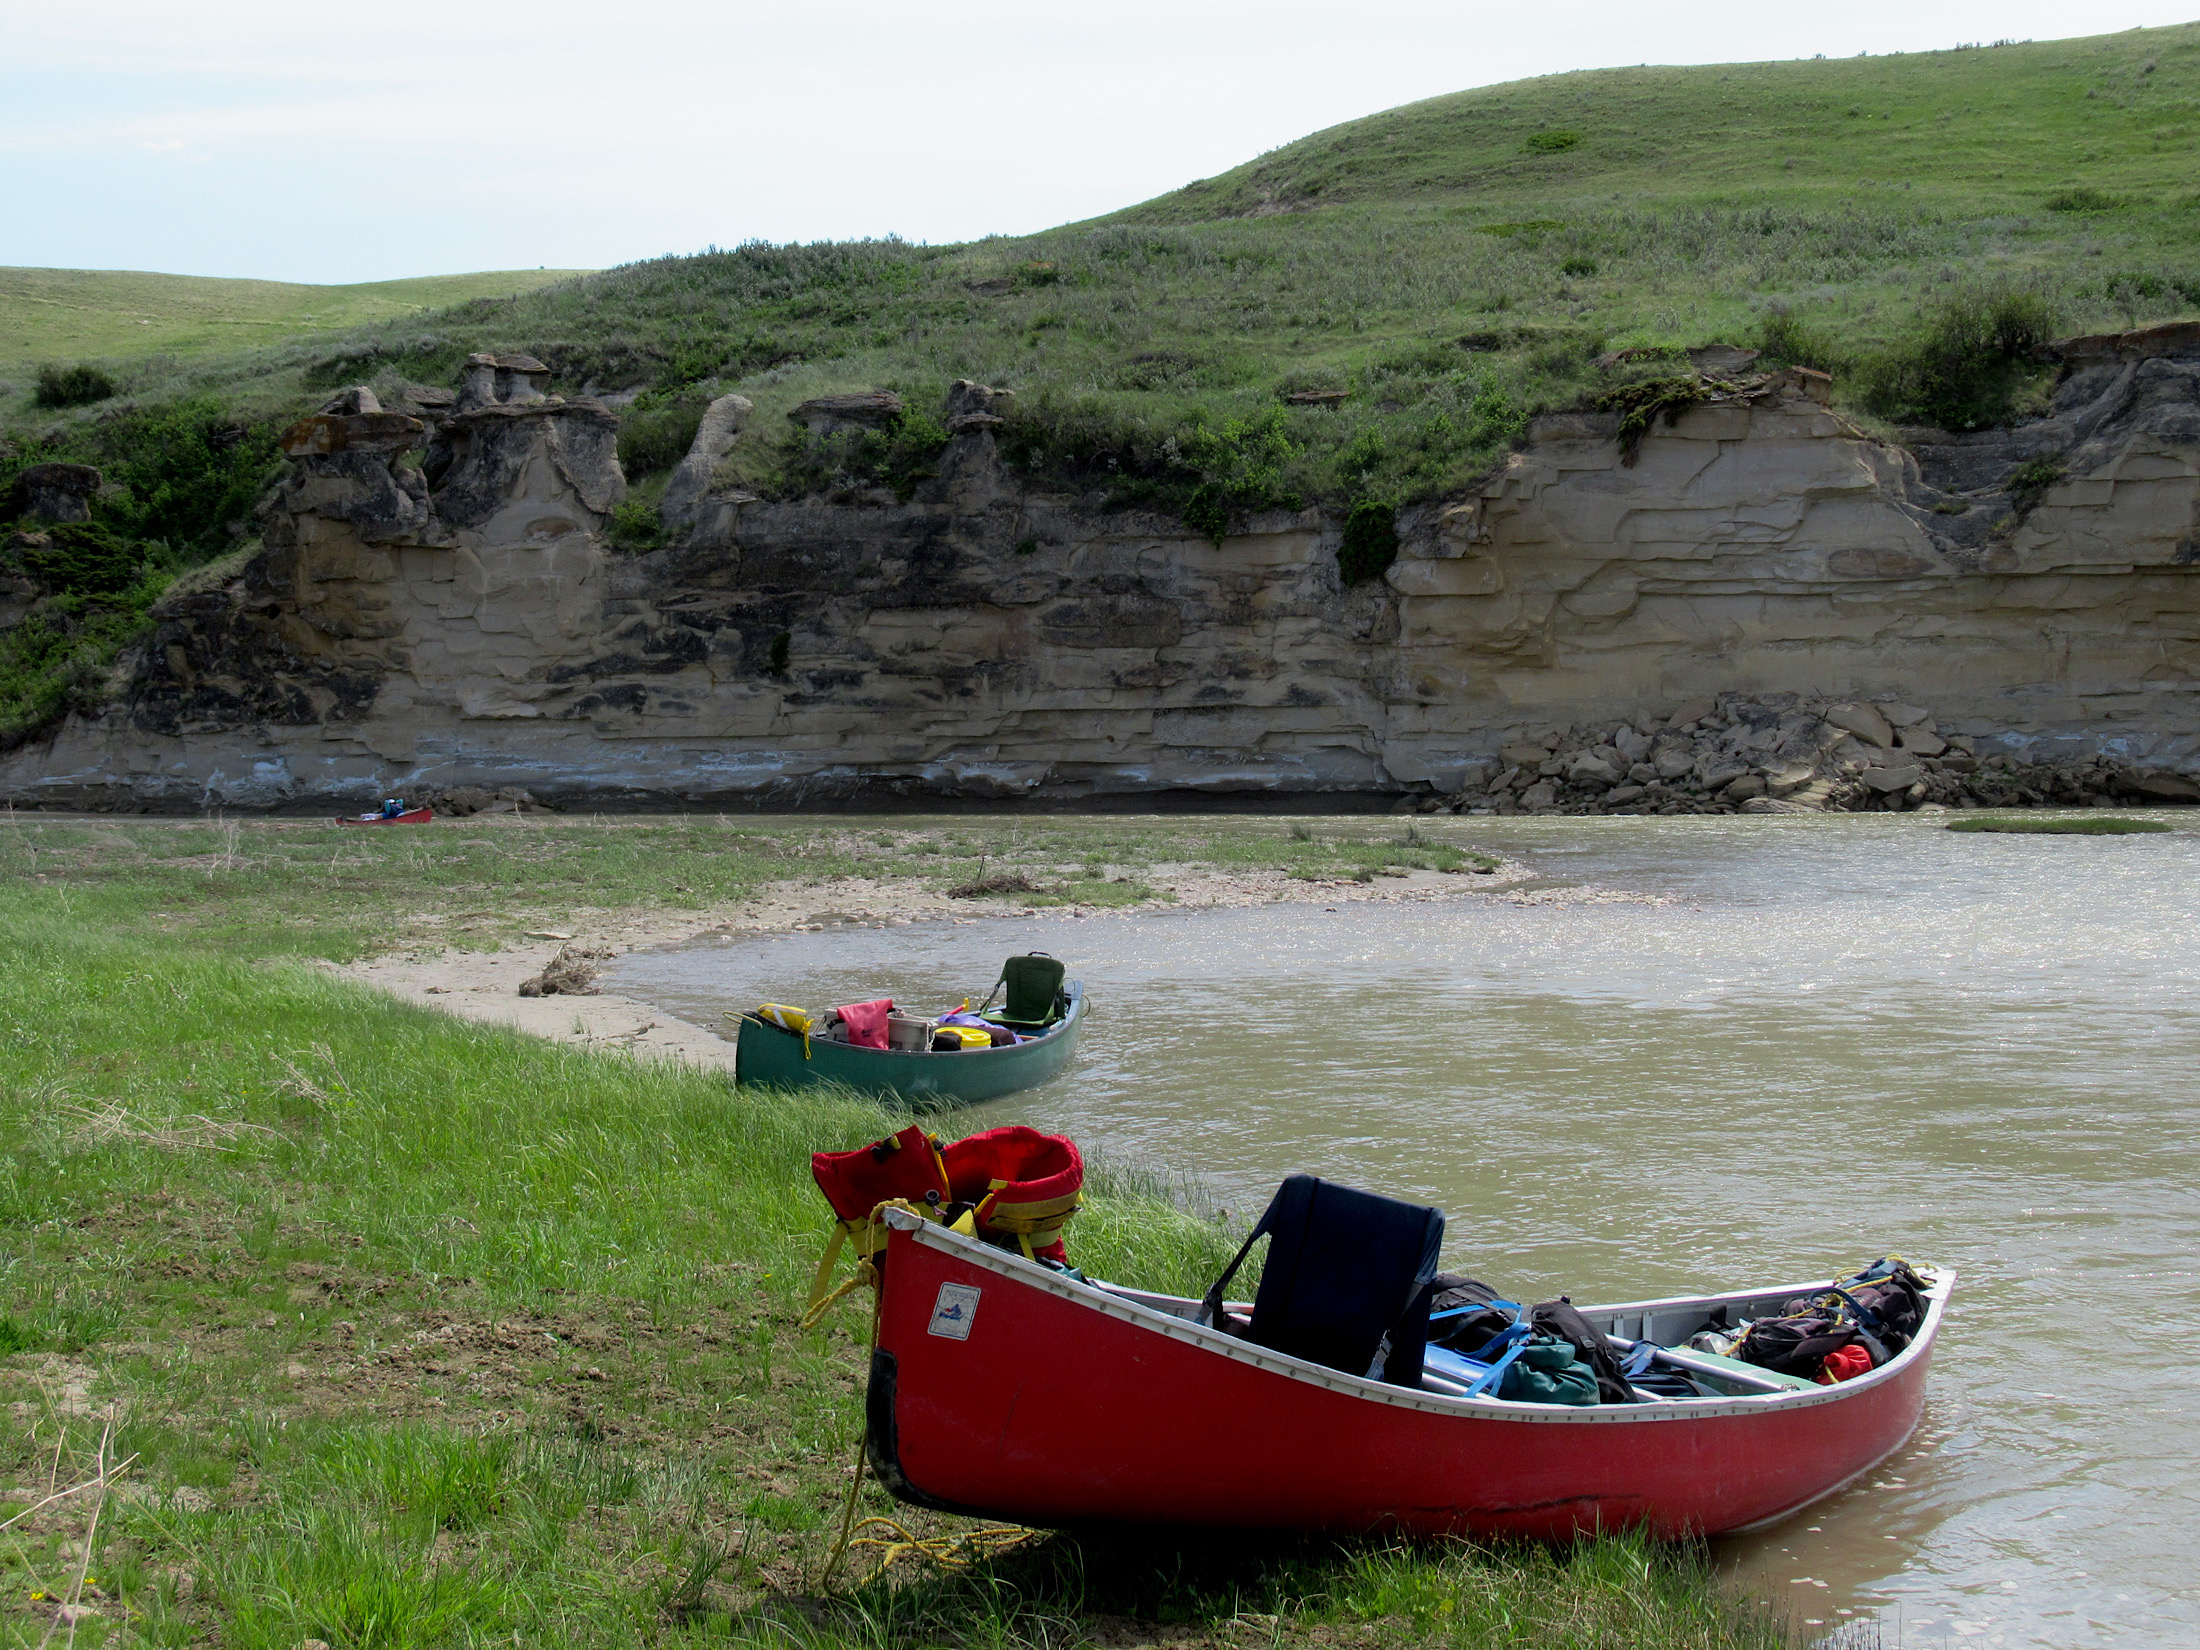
x=437, y=605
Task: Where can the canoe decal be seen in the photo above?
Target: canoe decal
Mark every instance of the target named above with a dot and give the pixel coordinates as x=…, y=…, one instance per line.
x=954, y=1311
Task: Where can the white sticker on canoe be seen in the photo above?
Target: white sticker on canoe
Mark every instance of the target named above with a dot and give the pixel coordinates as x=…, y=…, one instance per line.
x=952, y=1312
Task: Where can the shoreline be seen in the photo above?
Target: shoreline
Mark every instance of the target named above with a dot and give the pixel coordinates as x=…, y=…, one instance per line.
x=483, y=986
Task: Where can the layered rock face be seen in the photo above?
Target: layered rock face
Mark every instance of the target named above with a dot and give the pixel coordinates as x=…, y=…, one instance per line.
x=443, y=610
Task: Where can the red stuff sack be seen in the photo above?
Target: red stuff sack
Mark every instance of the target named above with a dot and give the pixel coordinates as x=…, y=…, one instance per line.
x=866, y=1022
x=1844, y=1364
x=1023, y=1187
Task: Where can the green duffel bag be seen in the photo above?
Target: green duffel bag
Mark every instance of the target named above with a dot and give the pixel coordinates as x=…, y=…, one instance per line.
x=1547, y=1372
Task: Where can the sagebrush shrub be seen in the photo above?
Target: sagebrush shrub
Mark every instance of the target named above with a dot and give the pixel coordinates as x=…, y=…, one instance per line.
x=77, y=386
x=1370, y=542
x=1969, y=365
x=653, y=438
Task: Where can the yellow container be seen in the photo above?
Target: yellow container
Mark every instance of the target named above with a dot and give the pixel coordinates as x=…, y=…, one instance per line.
x=969, y=1036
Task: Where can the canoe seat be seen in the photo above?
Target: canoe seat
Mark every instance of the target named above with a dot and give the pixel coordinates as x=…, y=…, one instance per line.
x=1346, y=1283
x=1035, y=998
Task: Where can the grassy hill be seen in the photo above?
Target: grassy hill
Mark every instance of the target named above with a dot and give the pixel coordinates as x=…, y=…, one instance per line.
x=1915, y=224
x=50, y=314
x=1984, y=130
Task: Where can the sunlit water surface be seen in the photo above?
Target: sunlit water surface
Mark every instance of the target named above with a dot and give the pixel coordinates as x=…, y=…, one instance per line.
x=1831, y=1039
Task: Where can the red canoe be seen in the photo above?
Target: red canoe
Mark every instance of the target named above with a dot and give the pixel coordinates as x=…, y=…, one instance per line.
x=411, y=816
x=1004, y=1390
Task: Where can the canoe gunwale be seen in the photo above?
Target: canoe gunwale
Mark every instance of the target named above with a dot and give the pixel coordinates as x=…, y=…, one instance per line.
x=1122, y=1306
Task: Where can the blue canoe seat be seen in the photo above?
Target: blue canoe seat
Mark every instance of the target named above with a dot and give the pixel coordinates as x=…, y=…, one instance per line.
x=1346, y=1283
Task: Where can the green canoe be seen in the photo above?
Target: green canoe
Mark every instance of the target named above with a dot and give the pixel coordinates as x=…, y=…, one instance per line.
x=766, y=1056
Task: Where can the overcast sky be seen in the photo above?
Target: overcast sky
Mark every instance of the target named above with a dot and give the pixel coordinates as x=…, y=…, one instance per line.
x=309, y=141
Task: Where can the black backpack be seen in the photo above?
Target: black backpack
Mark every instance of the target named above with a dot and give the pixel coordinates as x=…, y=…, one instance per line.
x=1878, y=1308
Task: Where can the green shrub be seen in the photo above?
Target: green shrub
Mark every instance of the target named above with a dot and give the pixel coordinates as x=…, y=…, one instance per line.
x=1789, y=340
x=1553, y=142
x=2083, y=200
x=1974, y=359
x=2029, y=482
x=77, y=386
x=1578, y=268
x=1370, y=543
x=636, y=527
x=1245, y=457
x=1639, y=405
x=182, y=473
x=57, y=658
x=82, y=558
x=1206, y=514
x=1496, y=419
x=655, y=437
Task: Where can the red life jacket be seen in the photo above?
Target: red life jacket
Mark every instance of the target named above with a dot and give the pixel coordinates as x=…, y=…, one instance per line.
x=1019, y=1186
x=1025, y=1184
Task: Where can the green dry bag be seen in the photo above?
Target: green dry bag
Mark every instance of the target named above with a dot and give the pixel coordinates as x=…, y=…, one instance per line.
x=1546, y=1372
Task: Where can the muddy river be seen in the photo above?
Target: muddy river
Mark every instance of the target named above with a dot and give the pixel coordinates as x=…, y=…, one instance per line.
x=1714, y=1053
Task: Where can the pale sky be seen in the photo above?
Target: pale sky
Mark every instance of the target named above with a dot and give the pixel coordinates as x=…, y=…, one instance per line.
x=307, y=141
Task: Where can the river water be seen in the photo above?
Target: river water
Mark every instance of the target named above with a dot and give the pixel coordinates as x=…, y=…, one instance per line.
x=1792, y=1046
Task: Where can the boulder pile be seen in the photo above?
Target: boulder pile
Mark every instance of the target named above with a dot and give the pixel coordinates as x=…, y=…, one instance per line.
x=462, y=801
x=1791, y=753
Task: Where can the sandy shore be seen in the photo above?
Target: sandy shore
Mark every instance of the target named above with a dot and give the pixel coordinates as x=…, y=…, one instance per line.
x=484, y=986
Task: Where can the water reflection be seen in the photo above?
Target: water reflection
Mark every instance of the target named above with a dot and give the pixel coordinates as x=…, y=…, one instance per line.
x=1826, y=1039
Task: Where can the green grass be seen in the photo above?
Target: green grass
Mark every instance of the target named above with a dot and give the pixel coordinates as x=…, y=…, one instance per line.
x=300, y=888
x=424, y=1332
x=50, y=314
x=2104, y=825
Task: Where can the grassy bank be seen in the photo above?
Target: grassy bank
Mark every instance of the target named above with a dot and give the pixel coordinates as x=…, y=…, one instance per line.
x=416, y=1332
x=51, y=314
x=303, y=889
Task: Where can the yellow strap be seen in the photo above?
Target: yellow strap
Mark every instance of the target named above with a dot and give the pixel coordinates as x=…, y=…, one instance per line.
x=868, y=1237
x=825, y=1266
x=1049, y=1214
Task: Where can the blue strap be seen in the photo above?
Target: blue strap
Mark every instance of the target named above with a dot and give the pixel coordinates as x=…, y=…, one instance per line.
x=1472, y=1306
x=1865, y=1314
x=1496, y=1372
x=1639, y=1360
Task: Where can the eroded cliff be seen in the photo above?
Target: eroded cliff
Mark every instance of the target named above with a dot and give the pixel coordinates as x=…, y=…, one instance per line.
x=437, y=604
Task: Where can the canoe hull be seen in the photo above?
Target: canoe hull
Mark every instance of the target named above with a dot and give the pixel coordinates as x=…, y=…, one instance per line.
x=412, y=816
x=767, y=1057
x=1057, y=1405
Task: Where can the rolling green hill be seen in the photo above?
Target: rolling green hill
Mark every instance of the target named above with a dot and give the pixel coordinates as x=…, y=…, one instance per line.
x=1451, y=267
x=48, y=314
x=2000, y=129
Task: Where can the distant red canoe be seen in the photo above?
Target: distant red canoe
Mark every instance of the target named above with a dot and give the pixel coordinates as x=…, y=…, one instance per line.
x=1003, y=1390
x=411, y=816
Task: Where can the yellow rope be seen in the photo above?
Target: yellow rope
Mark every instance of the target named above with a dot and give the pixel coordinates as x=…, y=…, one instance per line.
x=956, y=1552
x=866, y=1277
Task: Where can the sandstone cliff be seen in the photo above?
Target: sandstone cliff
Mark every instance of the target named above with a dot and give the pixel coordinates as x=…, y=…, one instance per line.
x=439, y=606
